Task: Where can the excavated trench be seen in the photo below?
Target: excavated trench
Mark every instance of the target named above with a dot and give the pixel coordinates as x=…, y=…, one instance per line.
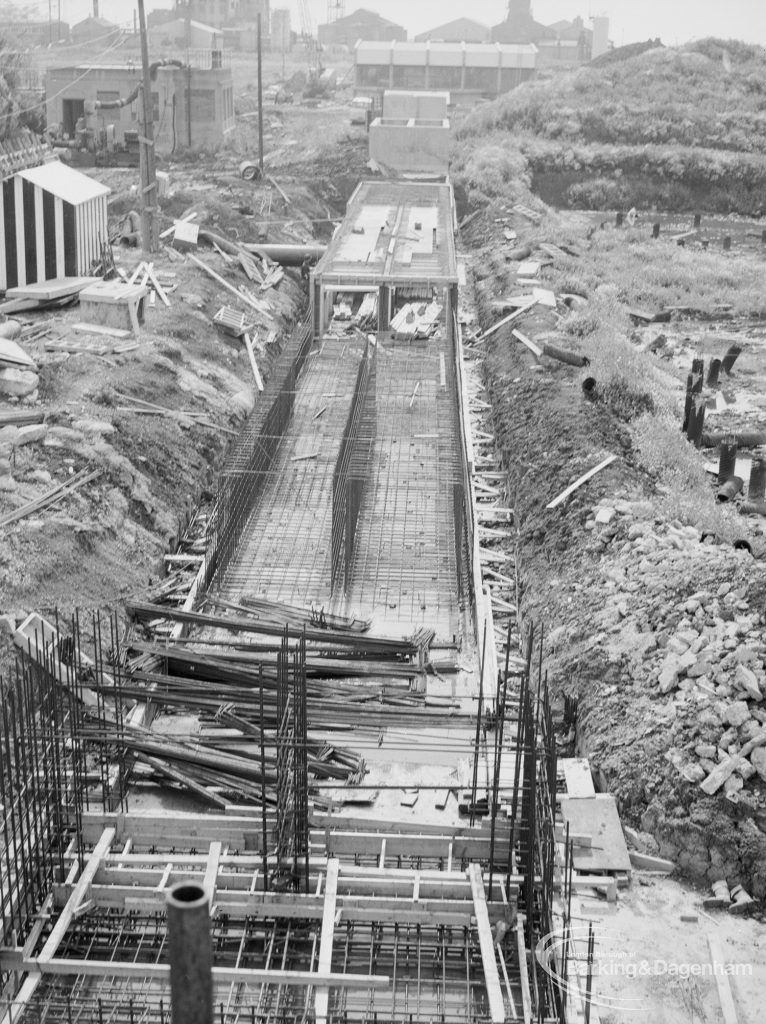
x=548, y=434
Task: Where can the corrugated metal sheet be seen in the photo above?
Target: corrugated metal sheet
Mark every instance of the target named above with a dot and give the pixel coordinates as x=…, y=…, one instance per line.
x=65, y=183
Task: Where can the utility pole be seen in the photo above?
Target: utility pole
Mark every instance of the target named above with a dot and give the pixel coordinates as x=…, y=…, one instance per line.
x=260, y=100
x=149, y=222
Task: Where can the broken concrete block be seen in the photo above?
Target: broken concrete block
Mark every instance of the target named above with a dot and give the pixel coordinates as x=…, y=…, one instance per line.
x=17, y=382
x=746, y=679
x=737, y=713
x=758, y=761
x=669, y=674
x=705, y=750
x=31, y=434
x=605, y=515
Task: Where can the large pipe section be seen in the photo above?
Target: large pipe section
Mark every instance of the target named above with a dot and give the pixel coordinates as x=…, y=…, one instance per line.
x=191, y=953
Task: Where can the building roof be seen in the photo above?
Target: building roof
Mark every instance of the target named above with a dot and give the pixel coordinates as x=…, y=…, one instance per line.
x=65, y=182
x=505, y=55
x=108, y=26
x=457, y=29
x=362, y=14
x=393, y=233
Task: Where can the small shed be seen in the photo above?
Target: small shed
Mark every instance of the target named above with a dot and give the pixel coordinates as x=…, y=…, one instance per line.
x=52, y=222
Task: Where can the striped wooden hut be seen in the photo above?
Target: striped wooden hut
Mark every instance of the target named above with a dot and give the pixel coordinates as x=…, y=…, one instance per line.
x=52, y=222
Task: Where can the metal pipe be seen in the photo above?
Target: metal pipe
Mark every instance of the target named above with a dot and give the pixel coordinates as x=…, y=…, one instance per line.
x=696, y=422
x=287, y=255
x=713, y=372
x=753, y=508
x=730, y=489
x=727, y=459
x=744, y=438
x=730, y=358
x=571, y=358
x=191, y=953
x=757, y=488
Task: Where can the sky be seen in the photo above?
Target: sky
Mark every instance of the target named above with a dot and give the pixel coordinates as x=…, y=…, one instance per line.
x=674, y=21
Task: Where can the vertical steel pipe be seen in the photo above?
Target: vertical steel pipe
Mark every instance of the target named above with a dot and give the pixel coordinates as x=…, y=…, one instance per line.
x=191, y=953
x=730, y=358
x=756, y=490
x=727, y=459
x=714, y=372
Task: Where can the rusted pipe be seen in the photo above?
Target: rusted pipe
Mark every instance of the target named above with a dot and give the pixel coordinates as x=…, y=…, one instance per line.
x=730, y=358
x=688, y=402
x=698, y=374
x=563, y=356
x=191, y=953
x=753, y=508
x=756, y=490
x=730, y=490
x=745, y=438
x=727, y=459
x=696, y=421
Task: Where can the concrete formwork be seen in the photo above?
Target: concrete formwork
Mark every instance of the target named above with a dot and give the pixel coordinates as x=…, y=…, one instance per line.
x=410, y=145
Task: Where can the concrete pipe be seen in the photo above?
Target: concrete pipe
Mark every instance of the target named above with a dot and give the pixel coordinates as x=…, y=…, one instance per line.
x=745, y=438
x=696, y=422
x=563, y=356
x=698, y=374
x=730, y=358
x=727, y=459
x=713, y=372
x=753, y=508
x=191, y=953
x=756, y=490
x=730, y=490
x=688, y=402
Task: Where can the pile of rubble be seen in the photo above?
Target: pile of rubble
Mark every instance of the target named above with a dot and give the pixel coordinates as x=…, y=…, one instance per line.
x=701, y=647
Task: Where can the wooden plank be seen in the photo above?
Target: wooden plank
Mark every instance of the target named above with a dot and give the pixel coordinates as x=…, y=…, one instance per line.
x=184, y=220
x=580, y=481
x=225, y=975
x=58, y=288
x=533, y=348
x=210, y=881
x=599, y=819
x=253, y=364
x=526, y=997
x=108, y=332
x=258, y=306
x=79, y=894
x=489, y=962
x=725, y=997
x=577, y=776
x=506, y=320
x=643, y=862
x=322, y=998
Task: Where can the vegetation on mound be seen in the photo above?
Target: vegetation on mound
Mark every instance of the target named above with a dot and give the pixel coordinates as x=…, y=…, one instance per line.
x=669, y=128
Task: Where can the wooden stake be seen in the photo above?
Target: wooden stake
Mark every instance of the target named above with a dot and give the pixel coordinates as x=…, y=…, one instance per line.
x=253, y=364
x=579, y=482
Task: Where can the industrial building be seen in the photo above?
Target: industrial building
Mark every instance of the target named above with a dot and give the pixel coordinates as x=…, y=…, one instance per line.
x=469, y=71
x=202, y=122
x=361, y=24
x=563, y=42
x=461, y=30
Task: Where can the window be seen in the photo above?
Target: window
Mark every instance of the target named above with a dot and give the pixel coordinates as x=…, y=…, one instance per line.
x=484, y=79
x=413, y=77
x=444, y=78
x=372, y=74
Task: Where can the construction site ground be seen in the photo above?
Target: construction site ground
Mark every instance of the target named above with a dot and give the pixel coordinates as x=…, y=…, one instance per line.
x=614, y=574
